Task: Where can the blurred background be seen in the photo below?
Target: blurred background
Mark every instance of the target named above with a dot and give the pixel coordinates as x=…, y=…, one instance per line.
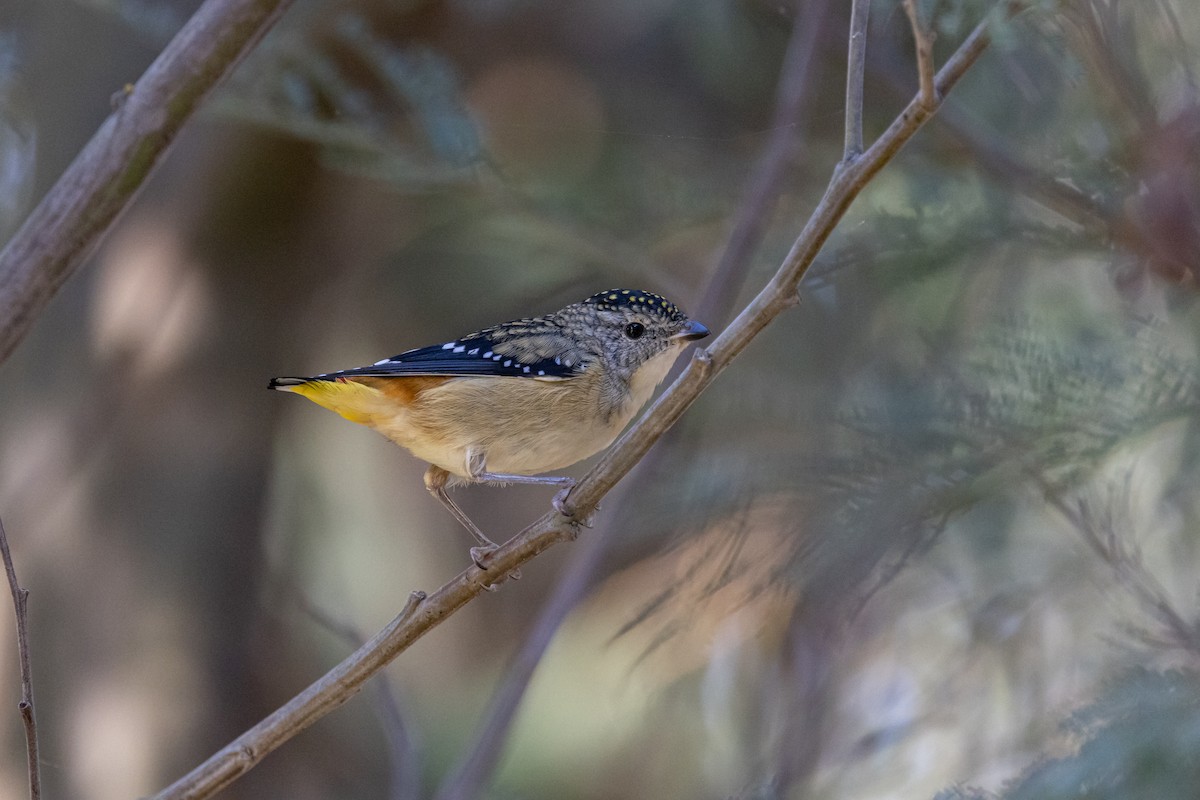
x=935, y=534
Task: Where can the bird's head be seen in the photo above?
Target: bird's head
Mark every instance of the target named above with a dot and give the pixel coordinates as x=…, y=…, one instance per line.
x=628, y=328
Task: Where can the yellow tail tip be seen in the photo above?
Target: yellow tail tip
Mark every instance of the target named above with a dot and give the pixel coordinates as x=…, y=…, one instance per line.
x=353, y=400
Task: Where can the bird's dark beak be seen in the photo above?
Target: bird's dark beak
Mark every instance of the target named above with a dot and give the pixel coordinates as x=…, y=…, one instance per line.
x=691, y=331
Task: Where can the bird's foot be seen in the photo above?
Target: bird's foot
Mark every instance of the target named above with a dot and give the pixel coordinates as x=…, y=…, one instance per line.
x=483, y=554
x=560, y=499
x=561, y=506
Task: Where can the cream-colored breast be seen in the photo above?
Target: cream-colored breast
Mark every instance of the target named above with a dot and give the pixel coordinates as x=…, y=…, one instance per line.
x=521, y=426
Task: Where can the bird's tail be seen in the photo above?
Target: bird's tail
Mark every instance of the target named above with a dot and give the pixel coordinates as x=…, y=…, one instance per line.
x=354, y=400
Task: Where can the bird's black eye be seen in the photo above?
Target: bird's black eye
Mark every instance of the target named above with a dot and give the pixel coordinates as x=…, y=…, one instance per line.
x=634, y=330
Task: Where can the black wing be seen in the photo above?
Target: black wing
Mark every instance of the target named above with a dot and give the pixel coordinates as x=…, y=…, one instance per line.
x=474, y=355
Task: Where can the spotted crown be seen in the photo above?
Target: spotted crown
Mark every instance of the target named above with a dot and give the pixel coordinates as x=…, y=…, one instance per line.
x=616, y=299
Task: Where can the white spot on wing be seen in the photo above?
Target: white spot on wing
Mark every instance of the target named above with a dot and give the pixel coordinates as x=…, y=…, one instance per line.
x=448, y=345
x=381, y=363
x=474, y=351
x=508, y=363
x=460, y=348
x=527, y=369
x=488, y=354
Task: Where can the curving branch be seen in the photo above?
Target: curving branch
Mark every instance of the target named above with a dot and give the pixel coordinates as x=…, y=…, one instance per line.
x=423, y=613
x=103, y=179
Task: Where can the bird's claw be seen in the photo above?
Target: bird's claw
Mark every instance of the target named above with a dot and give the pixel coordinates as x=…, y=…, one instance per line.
x=482, y=556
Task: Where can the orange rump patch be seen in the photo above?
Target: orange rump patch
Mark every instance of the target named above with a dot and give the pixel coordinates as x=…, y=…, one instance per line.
x=403, y=390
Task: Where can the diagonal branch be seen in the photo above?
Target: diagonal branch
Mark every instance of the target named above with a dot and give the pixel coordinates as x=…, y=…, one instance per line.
x=422, y=613
x=104, y=178
x=25, y=706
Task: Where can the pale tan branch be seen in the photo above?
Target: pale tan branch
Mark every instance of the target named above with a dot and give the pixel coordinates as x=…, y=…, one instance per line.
x=780, y=293
x=67, y=224
x=923, y=41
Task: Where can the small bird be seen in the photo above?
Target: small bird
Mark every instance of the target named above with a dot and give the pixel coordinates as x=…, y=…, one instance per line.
x=510, y=402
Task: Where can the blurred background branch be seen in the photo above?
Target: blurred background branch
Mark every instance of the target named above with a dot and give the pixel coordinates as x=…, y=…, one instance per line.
x=67, y=224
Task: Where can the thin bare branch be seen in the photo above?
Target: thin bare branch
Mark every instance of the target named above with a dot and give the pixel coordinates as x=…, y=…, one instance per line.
x=104, y=178
x=779, y=294
x=923, y=41
x=855, y=68
x=25, y=706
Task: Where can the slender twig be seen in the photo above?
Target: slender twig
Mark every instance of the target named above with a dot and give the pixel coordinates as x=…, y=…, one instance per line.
x=104, y=178
x=923, y=41
x=856, y=61
x=25, y=706
x=779, y=294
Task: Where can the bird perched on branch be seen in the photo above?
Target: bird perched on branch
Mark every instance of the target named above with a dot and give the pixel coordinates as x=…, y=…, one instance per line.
x=510, y=402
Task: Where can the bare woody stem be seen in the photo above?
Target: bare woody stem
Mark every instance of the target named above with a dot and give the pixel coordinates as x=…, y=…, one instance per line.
x=856, y=61
x=424, y=613
x=25, y=706
x=104, y=178
x=923, y=40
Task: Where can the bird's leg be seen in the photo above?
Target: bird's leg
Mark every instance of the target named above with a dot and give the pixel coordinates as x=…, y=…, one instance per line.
x=478, y=472
x=435, y=482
